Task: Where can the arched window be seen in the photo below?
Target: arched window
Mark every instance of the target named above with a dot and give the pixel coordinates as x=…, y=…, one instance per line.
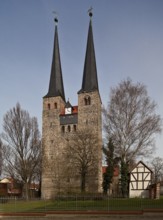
x=87, y=100
x=48, y=106
x=69, y=128
x=63, y=129
x=55, y=105
x=74, y=127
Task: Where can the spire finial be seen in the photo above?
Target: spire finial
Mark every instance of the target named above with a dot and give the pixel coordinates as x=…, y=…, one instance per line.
x=90, y=12
x=56, y=17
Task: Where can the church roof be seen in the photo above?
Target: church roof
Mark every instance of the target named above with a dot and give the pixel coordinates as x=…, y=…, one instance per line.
x=74, y=110
x=90, y=80
x=56, y=87
x=68, y=105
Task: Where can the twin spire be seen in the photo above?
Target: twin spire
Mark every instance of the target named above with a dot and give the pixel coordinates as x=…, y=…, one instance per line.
x=56, y=87
x=90, y=80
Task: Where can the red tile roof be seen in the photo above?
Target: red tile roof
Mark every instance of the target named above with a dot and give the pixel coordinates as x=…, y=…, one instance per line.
x=74, y=110
x=116, y=170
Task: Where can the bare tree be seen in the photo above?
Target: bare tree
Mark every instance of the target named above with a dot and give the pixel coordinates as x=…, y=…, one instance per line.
x=130, y=119
x=81, y=154
x=157, y=167
x=21, y=146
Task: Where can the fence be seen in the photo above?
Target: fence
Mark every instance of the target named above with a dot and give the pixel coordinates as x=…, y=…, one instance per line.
x=78, y=203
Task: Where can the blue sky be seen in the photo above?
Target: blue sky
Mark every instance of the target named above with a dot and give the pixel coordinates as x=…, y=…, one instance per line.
x=128, y=37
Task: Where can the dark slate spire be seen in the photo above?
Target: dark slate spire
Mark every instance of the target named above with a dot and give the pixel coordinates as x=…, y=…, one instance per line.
x=90, y=80
x=56, y=87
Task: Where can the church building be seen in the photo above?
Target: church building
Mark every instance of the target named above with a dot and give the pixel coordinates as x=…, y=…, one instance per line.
x=61, y=121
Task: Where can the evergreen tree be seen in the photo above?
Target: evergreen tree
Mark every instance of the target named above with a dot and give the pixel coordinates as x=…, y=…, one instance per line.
x=124, y=178
x=108, y=175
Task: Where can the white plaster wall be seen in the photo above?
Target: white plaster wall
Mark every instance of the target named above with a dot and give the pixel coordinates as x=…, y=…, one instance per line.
x=139, y=193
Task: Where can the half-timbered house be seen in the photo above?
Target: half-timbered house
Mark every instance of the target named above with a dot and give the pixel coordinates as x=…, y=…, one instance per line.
x=140, y=179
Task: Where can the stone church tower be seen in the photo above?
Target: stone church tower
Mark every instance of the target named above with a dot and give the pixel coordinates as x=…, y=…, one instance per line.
x=61, y=121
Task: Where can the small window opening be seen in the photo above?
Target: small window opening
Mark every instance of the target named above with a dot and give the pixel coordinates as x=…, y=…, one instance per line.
x=87, y=100
x=63, y=129
x=69, y=128
x=49, y=106
x=74, y=127
x=55, y=105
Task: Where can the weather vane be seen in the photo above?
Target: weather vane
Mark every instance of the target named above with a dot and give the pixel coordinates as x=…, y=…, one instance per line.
x=56, y=17
x=90, y=11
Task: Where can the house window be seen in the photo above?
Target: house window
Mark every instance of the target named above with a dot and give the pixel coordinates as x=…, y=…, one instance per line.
x=48, y=106
x=55, y=105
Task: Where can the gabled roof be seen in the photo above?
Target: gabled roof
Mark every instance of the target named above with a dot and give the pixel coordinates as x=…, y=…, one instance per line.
x=5, y=180
x=90, y=80
x=141, y=162
x=56, y=87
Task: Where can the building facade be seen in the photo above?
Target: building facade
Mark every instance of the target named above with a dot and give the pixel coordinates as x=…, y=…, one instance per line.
x=61, y=121
x=140, y=180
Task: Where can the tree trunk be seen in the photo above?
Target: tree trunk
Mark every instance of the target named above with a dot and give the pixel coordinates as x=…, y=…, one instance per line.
x=26, y=190
x=83, y=181
x=124, y=178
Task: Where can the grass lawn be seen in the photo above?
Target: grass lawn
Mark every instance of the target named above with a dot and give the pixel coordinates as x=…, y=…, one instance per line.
x=79, y=205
